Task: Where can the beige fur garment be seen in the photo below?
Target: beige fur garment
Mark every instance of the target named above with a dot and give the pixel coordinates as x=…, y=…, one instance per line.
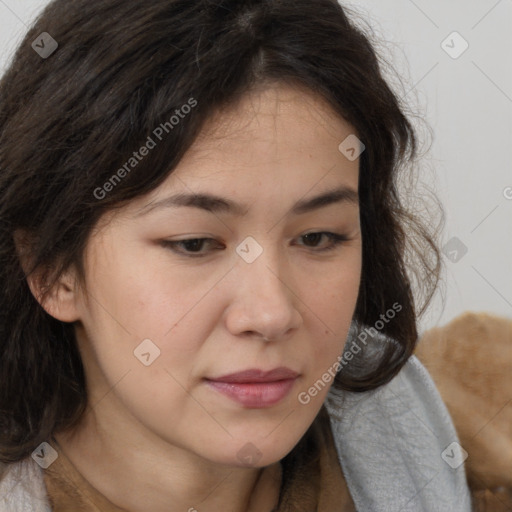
x=470, y=361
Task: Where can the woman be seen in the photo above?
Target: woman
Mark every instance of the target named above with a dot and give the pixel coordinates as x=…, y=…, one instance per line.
x=203, y=267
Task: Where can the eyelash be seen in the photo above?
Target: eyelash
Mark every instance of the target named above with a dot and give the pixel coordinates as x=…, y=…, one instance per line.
x=336, y=240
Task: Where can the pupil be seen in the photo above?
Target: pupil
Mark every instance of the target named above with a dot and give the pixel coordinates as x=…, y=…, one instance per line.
x=196, y=244
x=312, y=235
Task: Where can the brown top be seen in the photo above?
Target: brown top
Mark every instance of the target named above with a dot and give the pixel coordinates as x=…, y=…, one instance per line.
x=69, y=491
x=315, y=486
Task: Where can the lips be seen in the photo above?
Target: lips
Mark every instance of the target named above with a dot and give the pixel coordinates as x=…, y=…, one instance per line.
x=255, y=388
x=256, y=375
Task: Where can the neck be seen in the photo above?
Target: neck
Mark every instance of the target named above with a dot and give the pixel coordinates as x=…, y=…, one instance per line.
x=153, y=475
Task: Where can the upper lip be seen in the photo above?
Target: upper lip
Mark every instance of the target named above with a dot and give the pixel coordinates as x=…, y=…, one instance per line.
x=257, y=375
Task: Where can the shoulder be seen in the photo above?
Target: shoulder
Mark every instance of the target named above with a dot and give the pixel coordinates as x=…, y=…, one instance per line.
x=22, y=487
x=398, y=447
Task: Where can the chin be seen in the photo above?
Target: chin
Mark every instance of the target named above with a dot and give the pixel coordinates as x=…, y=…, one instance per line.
x=253, y=454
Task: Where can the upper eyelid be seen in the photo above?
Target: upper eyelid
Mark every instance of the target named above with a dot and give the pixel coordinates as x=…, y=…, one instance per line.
x=318, y=232
x=334, y=237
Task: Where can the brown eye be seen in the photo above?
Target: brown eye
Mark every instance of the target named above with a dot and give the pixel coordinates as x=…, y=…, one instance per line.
x=192, y=246
x=335, y=239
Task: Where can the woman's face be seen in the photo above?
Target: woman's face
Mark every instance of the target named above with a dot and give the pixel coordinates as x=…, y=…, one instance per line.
x=159, y=320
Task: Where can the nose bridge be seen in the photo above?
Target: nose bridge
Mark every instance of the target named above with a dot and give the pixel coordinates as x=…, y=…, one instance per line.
x=264, y=274
x=264, y=299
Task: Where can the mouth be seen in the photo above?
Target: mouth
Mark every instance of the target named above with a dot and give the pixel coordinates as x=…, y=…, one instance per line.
x=255, y=388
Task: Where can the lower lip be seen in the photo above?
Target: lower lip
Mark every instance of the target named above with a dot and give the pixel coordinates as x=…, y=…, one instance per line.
x=260, y=394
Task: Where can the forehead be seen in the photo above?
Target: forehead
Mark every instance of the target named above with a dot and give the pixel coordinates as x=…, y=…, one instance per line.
x=277, y=146
x=281, y=135
x=279, y=116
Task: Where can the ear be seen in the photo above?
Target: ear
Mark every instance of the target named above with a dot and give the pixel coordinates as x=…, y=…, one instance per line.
x=61, y=301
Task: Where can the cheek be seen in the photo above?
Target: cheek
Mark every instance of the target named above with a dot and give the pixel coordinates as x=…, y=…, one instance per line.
x=334, y=295
x=142, y=297
x=145, y=374
x=128, y=307
x=332, y=306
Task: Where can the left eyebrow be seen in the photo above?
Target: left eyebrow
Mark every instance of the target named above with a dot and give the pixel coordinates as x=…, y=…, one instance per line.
x=217, y=204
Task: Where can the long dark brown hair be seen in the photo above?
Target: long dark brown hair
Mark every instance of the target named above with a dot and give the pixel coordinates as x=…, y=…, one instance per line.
x=70, y=120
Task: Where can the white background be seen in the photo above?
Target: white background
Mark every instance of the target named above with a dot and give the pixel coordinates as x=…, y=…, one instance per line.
x=467, y=101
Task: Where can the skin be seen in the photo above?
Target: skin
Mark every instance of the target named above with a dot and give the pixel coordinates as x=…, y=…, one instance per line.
x=157, y=437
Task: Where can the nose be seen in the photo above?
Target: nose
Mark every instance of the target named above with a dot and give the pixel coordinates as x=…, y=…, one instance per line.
x=265, y=300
